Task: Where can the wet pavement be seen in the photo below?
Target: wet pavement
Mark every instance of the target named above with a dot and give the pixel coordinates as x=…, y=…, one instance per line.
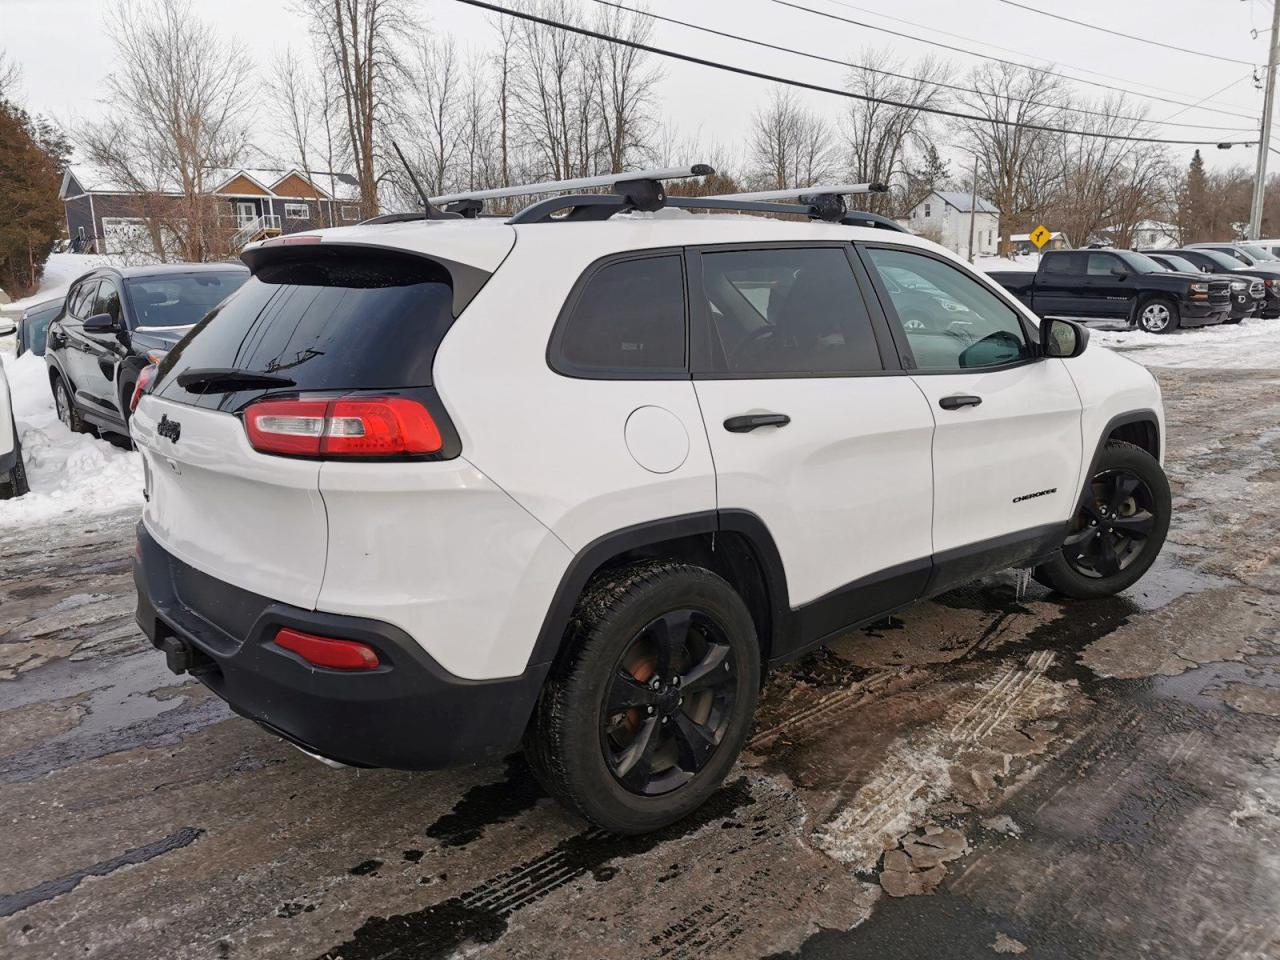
x=993, y=772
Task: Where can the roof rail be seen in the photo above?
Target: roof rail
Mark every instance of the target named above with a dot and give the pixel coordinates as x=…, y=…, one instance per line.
x=826, y=202
x=818, y=190
x=579, y=183
x=578, y=208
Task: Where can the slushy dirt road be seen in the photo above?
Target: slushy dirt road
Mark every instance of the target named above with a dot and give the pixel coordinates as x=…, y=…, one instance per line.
x=993, y=772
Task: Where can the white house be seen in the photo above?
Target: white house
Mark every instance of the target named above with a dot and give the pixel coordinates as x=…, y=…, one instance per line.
x=944, y=216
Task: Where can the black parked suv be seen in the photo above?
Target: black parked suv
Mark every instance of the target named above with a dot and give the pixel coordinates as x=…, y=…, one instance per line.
x=1215, y=261
x=1248, y=294
x=117, y=321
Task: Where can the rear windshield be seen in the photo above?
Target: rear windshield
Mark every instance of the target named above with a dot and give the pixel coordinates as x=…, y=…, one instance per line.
x=179, y=300
x=327, y=323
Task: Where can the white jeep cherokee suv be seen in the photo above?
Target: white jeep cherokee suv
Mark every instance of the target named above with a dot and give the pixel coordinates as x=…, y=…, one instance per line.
x=422, y=490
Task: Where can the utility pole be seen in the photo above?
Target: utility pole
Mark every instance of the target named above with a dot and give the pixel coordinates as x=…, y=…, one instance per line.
x=973, y=199
x=1268, y=100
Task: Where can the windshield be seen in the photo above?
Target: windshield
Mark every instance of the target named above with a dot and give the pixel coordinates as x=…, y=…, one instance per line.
x=1179, y=264
x=180, y=299
x=1139, y=262
x=1223, y=260
x=1257, y=252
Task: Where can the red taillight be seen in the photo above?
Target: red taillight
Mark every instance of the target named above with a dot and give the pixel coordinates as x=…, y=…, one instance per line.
x=145, y=379
x=342, y=427
x=327, y=652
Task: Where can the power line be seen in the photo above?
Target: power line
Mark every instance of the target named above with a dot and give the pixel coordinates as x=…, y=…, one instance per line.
x=1209, y=97
x=1127, y=36
x=900, y=76
x=986, y=56
x=819, y=88
x=1023, y=53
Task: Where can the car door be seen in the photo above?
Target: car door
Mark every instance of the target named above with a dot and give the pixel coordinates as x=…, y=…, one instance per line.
x=71, y=338
x=1109, y=286
x=1059, y=289
x=814, y=429
x=1007, y=446
x=103, y=352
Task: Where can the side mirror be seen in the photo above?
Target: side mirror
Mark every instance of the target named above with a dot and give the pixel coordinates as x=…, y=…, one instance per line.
x=7, y=327
x=1062, y=338
x=1120, y=273
x=101, y=323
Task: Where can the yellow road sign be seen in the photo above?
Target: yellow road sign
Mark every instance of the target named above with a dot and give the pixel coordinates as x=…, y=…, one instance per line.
x=1040, y=235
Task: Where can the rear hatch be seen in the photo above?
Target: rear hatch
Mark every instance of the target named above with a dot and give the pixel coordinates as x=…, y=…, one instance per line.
x=317, y=322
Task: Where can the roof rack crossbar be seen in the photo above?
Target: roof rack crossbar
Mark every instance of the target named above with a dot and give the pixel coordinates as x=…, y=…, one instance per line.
x=578, y=183
x=796, y=193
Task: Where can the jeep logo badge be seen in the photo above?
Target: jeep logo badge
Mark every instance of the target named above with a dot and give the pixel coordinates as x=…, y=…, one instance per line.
x=171, y=429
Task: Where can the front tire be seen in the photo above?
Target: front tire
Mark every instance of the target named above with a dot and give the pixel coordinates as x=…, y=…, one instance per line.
x=640, y=723
x=1158, y=315
x=1119, y=530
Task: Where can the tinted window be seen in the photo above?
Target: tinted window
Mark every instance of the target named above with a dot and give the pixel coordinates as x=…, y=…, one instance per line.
x=951, y=321
x=178, y=300
x=81, y=301
x=1061, y=263
x=1101, y=264
x=108, y=300
x=331, y=322
x=628, y=317
x=35, y=327
x=789, y=311
x=1214, y=259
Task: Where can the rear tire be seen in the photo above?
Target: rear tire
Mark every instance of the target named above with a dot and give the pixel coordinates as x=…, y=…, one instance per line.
x=64, y=403
x=1158, y=315
x=612, y=736
x=14, y=483
x=1119, y=530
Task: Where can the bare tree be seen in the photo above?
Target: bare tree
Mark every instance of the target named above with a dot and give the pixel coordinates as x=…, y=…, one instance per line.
x=1016, y=163
x=551, y=93
x=296, y=108
x=625, y=83
x=1139, y=192
x=10, y=75
x=789, y=146
x=435, y=112
x=359, y=45
x=175, y=114
x=880, y=136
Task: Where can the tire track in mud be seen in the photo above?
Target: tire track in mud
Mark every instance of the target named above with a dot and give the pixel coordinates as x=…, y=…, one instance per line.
x=481, y=914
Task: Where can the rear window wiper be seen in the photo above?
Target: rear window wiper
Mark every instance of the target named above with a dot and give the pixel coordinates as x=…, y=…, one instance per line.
x=227, y=379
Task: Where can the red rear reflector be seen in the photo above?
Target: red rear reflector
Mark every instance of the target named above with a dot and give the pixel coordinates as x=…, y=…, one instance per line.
x=344, y=427
x=145, y=378
x=326, y=652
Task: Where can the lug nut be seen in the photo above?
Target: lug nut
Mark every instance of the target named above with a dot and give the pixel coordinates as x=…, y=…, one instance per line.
x=651, y=711
x=665, y=719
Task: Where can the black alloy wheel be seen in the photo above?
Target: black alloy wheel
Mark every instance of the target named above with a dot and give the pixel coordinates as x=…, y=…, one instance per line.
x=1113, y=526
x=669, y=704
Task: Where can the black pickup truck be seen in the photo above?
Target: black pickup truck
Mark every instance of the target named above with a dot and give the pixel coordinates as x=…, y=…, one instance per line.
x=1118, y=285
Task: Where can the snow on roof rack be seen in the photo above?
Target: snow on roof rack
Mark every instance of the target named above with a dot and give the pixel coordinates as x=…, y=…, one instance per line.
x=578, y=183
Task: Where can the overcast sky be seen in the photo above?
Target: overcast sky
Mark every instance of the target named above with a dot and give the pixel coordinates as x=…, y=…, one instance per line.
x=64, y=55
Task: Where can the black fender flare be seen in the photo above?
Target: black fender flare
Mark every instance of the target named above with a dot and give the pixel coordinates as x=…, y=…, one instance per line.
x=607, y=546
x=1145, y=415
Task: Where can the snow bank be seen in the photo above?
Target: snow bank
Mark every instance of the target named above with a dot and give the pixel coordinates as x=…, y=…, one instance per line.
x=59, y=272
x=70, y=473
x=1249, y=345
x=1026, y=261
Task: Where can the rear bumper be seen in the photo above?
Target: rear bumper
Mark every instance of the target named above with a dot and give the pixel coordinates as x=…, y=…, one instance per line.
x=409, y=713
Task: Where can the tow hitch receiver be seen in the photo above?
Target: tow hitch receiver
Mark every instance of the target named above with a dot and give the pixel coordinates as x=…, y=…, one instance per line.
x=177, y=654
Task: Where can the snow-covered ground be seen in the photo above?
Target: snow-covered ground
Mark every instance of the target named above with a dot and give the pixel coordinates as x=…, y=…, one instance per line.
x=70, y=473
x=59, y=272
x=1251, y=344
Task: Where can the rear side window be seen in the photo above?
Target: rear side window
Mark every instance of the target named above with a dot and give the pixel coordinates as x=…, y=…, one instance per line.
x=1061, y=263
x=331, y=322
x=627, y=320
x=787, y=312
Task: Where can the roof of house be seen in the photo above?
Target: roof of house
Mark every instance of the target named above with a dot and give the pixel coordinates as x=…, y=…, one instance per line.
x=91, y=178
x=960, y=200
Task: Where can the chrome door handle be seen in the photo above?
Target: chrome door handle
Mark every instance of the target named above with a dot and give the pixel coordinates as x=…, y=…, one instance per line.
x=748, y=422
x=956, y=401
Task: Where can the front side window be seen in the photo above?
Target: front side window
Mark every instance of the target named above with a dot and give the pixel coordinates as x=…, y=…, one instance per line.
x=628, y=317
x=789, y=311
x=108, y=300
x=81, y=301
x=949, y=319
x=1101, y=264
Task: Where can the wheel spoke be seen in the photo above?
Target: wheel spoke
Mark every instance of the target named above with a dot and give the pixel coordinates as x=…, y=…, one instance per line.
x=627, y=692
x=1138, y=525
x=636, y=764
x=1123, y=486
x=694, y=742
x=709, y=671
x=1106, y=562
x=669, y=633
x=1081, y=537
